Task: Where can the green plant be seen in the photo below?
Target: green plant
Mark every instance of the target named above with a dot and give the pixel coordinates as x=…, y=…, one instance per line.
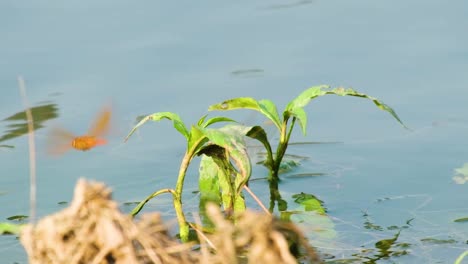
x=293, y=112
x=219, y=147
x=225, y=166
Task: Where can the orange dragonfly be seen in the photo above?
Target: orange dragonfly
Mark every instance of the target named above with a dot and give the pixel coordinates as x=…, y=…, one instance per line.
x=61, y=141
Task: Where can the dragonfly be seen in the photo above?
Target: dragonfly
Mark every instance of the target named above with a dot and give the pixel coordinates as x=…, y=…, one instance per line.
x=61, y=140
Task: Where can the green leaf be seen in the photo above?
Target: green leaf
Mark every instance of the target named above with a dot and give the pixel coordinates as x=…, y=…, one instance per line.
x=300, y=115
x=196, y=139
x=208, y=182
x=268, y=108
x=305, y=97
x=236, y=103
x=8, y=228
x=381, y=105
x=177, y=122
x=217, y=119
x=201, y=120
x=237, y=150
x=220, y=169
x=258, y=133
x=231, y=138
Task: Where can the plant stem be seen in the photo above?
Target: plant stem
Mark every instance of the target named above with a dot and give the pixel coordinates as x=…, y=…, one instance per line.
x=183, y=226
x=275, y=195
x=138, y=208
x=283, y=145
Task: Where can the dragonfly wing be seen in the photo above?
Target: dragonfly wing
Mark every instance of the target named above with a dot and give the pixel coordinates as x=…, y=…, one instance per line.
x=101, y=125
x=59, y=141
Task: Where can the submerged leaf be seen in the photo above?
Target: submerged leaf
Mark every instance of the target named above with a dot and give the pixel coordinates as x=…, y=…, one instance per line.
x=10, y=229
x=461, y=220
x=17, y=217
x=438, y=241
x=310, y=202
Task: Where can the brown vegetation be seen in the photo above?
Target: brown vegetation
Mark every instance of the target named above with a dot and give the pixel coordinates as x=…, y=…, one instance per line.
x=93, y=230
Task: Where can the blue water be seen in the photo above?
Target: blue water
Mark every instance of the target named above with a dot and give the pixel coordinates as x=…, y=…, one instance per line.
x=155, y=56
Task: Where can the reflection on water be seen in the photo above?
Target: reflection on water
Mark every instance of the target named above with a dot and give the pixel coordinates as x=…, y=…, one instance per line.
x=19, y=124
x=461, y=174
x=290, y=5
x=248, y=73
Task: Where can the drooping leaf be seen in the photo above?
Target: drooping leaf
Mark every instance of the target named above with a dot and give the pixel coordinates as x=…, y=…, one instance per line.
x=258, y=133
x=305, y=97
x=381, y=105
x=177, y=122
x=231, y=139
x=300, y=115
x=208, y=183
x=238, y=153
x=221, y=171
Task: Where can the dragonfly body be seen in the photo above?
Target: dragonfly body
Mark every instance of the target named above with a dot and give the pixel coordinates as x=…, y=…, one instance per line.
x=87, y=142
x=60, y=140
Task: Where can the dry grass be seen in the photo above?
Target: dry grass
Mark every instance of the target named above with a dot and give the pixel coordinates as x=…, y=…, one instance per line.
x=93, y=230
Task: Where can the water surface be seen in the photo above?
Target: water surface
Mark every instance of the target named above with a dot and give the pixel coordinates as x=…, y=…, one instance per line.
x=158, y=56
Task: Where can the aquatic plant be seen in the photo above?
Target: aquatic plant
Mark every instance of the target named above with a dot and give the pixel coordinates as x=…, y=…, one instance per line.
x=216, y=143
x=285, y=123
x=225, y=167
